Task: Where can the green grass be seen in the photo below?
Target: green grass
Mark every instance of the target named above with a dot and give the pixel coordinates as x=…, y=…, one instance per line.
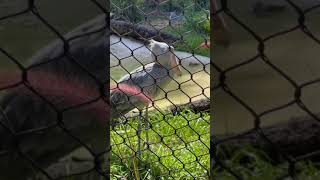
x=252, y=164
x=179, y=145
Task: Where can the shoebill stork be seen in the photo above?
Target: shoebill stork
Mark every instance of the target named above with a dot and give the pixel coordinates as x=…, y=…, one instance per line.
x=142, y=85
x=138, y=88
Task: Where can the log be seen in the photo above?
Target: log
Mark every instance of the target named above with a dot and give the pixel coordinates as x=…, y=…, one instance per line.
x=202, y=105
x=140, y=32
x=296, y=138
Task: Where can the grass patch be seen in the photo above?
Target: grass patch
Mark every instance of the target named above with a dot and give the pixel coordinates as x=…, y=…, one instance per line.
x=178, y=147
x=252, y=164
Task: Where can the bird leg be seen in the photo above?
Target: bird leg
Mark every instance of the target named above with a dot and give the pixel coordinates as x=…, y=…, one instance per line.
x=139, y=133
x=146, y=124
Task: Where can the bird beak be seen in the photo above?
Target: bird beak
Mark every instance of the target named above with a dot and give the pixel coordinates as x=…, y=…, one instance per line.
x=174, y=65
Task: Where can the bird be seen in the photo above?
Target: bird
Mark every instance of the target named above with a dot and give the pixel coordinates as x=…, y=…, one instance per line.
x=142, y=85
x=40, y=105
x=138, y=88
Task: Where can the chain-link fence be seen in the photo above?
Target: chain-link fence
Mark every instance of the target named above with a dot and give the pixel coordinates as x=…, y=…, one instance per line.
x=55, y=103
x=53, y=116
x=265, y=90
x=160, y=80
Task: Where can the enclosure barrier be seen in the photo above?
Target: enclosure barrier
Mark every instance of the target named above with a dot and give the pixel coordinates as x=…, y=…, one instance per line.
x=127, y=134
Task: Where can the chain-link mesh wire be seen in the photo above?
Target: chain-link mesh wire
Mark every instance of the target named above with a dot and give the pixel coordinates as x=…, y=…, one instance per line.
x=53, y=106
x=276, y=71
x=159, y=129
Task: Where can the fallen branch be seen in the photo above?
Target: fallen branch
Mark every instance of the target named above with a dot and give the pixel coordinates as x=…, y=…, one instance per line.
x=297, y=137
x=202, y=105
x=197, y=106
x=140, y=32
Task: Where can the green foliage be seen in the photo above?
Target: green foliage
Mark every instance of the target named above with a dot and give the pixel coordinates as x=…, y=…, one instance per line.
x=168, y=150
x=173, y=5
x=206, y=26
x=131, y=8
x=195, y=30
x=251, y=164
x=128, y=9
x=195, y=27
x=181, y=5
